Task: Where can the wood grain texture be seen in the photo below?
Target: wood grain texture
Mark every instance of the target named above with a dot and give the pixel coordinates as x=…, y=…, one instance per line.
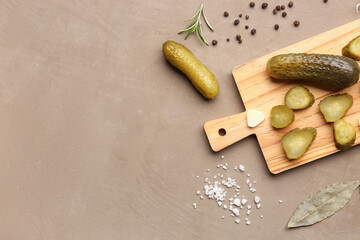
x=258, y=91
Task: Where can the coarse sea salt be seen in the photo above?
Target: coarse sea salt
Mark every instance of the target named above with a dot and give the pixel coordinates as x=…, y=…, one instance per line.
x=229, y=183
x=241, y=168
x=216, y=191
x=236, y=211
x=237, y=202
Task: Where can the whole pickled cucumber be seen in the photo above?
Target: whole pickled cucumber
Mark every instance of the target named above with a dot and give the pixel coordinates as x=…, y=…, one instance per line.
x=200, y=76
x=323, y=70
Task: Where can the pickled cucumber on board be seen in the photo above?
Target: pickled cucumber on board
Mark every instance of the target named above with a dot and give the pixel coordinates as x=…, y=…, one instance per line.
x=281, y=116
x=344, y=134
x=299, y=97
x=199, y=75
x=322, y=70
x=352, y=49
x=297, y=142
x=335, y=106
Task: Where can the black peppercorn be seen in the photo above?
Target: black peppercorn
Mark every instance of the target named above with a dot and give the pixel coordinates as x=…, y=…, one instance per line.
x=238, y=37
x=253, y=31
x=240, y=41
x=325, y=1
x=246, y=27
x=226, y=14
x=264, y=5
x=291, y=4
x=284, y=14
x=296, y=23
x=252, y=4
x=214, y=42
x=240, y=15
x=276, y=26
x=282, y=7
x=275, y=11
x=278, y=7
x=236, y=22
x=228, y=39
x=247, y=17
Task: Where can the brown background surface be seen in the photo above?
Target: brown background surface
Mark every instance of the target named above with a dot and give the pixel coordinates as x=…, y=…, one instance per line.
x=102, y=139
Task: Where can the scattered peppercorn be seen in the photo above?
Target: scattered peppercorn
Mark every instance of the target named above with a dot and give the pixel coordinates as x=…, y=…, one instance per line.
x=253, y=31
x=226, y=14
x=325, y=1
x=276, y=27
x=264, y=5
x=278, y=7
x=247, y=17
x=238, y=37
x=214, y=42
x=228, y=39
x=236, y=22
x=282, y=7
x=275, y=11
x=246, y=27
x=291, y=4
x=240, y=15
x=252, y=4
x=296, y=23
x=240, y=41
x=284, y=14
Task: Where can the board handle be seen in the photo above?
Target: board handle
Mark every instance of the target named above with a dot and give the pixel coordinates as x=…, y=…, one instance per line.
x=226, y=131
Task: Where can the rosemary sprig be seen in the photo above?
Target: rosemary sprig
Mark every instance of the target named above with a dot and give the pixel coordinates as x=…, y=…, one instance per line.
x=196, y=25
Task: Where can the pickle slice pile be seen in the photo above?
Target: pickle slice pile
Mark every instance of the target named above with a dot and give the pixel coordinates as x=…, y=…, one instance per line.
x=352, y=49
x=299, y=97
x=344, y=134
x=298, y=141
x=336, y=106
x=281, y=116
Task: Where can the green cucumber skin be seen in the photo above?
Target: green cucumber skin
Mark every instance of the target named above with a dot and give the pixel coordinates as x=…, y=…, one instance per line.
x=329, y=71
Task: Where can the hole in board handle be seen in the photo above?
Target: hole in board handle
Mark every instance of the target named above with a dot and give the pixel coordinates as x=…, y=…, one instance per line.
x=222, y=132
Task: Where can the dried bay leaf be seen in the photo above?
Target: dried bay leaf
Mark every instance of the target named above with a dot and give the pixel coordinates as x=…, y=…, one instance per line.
x=323, y=204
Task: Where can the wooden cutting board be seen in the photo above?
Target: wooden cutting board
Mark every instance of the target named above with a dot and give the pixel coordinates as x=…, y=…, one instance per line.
x=258, y=91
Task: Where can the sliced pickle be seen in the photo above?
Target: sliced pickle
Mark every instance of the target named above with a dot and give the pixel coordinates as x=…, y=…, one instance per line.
x=298, y=141
x=344, y=134
x=336, y=106
x=299, y=97
x=352, y=49
x=281, y=116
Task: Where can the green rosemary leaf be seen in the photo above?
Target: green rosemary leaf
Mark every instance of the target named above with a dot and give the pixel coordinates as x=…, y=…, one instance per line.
x=199, y=11
x=196, y=26
x=188, y=28
x=206, y=21
x=202, y=35
x=192, y=30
